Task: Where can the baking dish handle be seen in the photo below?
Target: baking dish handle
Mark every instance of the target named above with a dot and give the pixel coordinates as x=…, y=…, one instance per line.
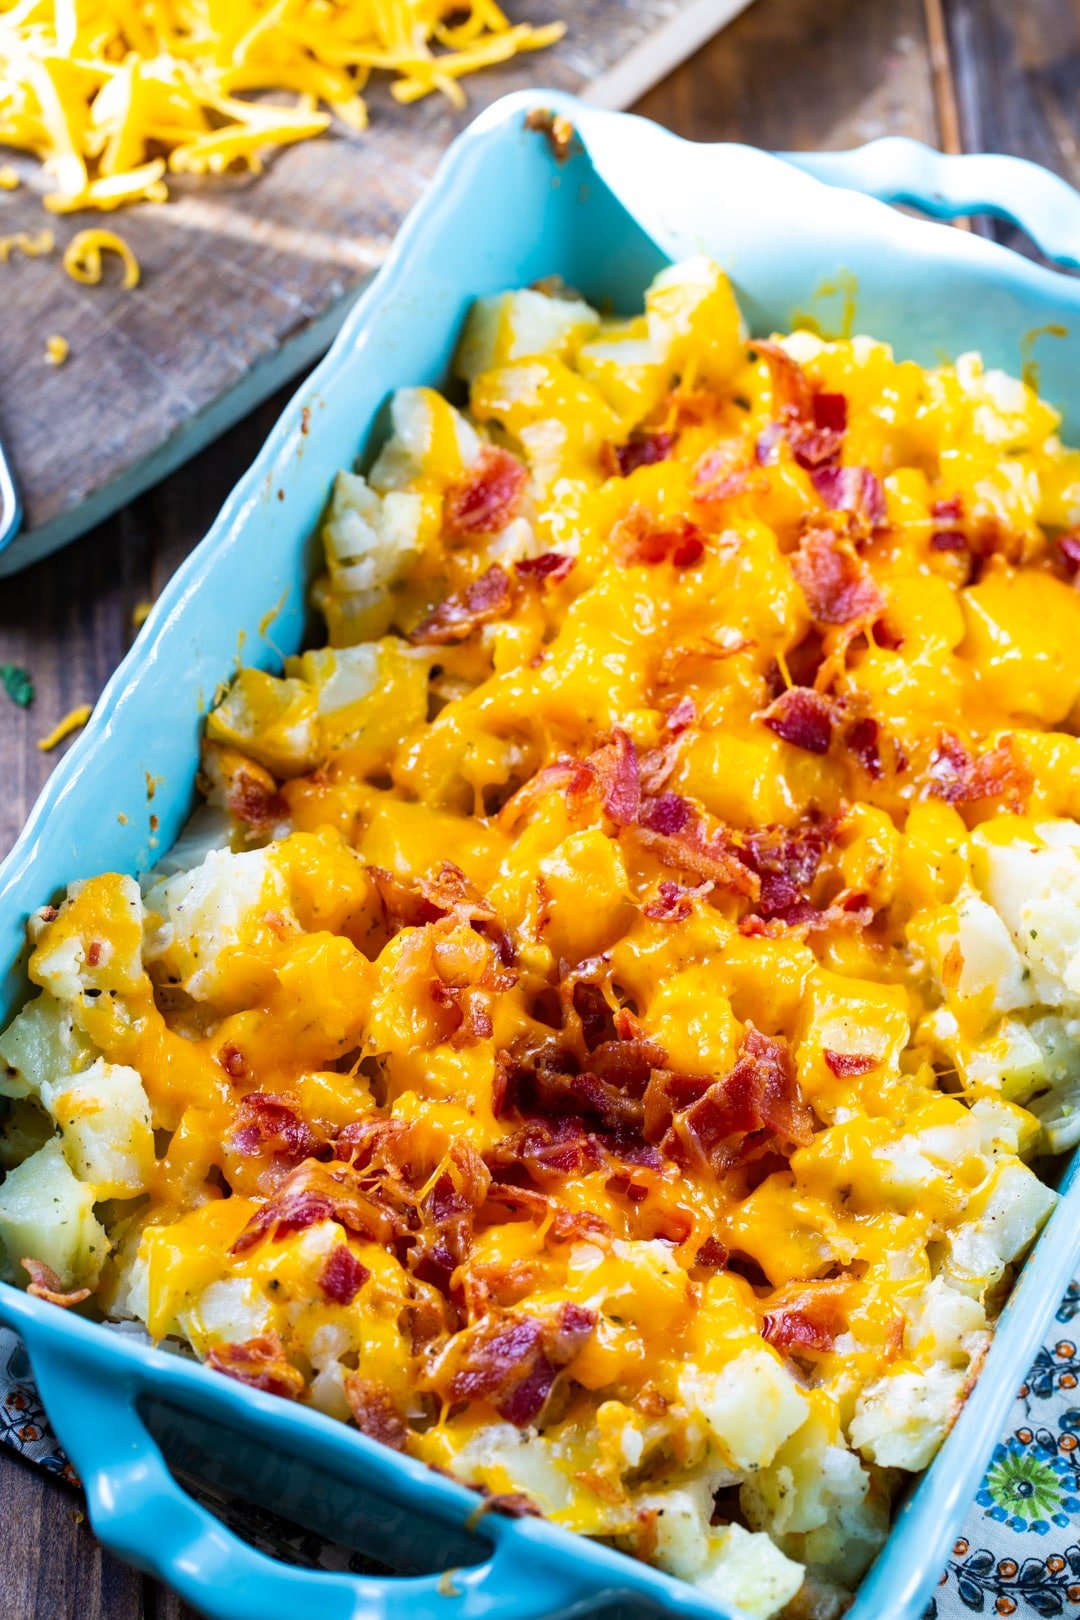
x=141, y=1512
x=898, y=170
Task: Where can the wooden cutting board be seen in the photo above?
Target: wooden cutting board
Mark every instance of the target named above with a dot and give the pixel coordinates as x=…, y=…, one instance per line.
x=246, y=280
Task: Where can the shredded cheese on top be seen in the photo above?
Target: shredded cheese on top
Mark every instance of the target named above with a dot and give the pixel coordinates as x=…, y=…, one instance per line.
x=72, y=721
x=112, y=97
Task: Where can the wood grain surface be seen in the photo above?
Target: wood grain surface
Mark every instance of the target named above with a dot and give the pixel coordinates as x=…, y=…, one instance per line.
x=243, y=277
x=787, y=73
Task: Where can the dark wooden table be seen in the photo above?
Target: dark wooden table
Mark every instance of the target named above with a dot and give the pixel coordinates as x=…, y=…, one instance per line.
x=962, y=74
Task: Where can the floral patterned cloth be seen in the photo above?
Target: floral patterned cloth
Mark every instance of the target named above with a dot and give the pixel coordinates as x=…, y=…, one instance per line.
x=1018, y=1553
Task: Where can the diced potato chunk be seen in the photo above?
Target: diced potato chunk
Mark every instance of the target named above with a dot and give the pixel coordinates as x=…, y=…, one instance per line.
x=104, y=1119
x=47, y=1214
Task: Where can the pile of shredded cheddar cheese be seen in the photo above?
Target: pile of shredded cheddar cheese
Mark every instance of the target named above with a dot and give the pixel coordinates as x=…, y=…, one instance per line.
x=113, y=95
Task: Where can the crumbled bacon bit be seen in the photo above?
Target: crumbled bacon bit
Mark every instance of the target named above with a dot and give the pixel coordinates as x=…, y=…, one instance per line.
x=950, y=510
x=93, y=954
x=667, y=815
x=725, y=471
x=1000, y=773
x=514, y=1505
x=948, y=540
x=1068, y=546
x=343, y=1275
x=810, y=1323
x=673, y=903
x=681, y=716
x=852, y=489
x=801, y=717
x=315, y=1192
x=232, y=1060
x=712, y=1254
x=488, y=497
x=259, y=1363
x=374, y=1412
x=272, y=1123
x=45, y=1284
x=254, y=798
x=514, y=1362
x=838, y=586
x=455, y=619
x=615, y=767
x=683, y=838
x=641, y=538
x=863, y=740
x=710, y=1122
x=786, y=861
x=830, y=411
x=847, y=1064
x=550, y=565
x=640, y=450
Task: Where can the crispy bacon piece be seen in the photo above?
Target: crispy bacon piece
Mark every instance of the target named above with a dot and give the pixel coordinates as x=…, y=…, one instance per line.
x=605, y=1083
x=681, y=716
x=838, y=586
x=1068, y=546
x=343, y=1275
x=550, y=565
x=374, y=1412
x=260, y=1364
x=232, y=1060
x=811, y=1322
x=948, y=540
x=639, y=538
x=851, y=489
x=845, y=1064
x=1000, y=773
x=863, y=740
x=488, y=497
x=447, y=1214
x=640, y=450
x=315, y=1192
x=45, y=1284
x=712, y=1254
x=786, y=861
x=801, y=717
x=615, y=767
x=488, y=597
x=758, y=1098
x=271, y=1124
x=255, y=801
x=812, y=421
x=514, y=1362
x=673, y=902
x=681, y=837
x=790, y=385
x=725, y=471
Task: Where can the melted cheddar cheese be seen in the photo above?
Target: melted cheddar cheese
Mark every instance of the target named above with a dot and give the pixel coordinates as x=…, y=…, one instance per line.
x=594, y=1034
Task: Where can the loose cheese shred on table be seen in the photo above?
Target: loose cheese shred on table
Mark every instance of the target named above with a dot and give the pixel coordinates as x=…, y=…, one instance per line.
x=111, y=97
x=9, y=180
x=23, y=242
x=82, y=258
x=57, y=350
x=72, y=721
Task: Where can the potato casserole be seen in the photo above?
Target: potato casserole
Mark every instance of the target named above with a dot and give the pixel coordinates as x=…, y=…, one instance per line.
x=595, y=1032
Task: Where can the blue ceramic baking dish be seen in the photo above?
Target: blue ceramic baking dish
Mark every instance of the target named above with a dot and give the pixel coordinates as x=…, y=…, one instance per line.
x=501, y=213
